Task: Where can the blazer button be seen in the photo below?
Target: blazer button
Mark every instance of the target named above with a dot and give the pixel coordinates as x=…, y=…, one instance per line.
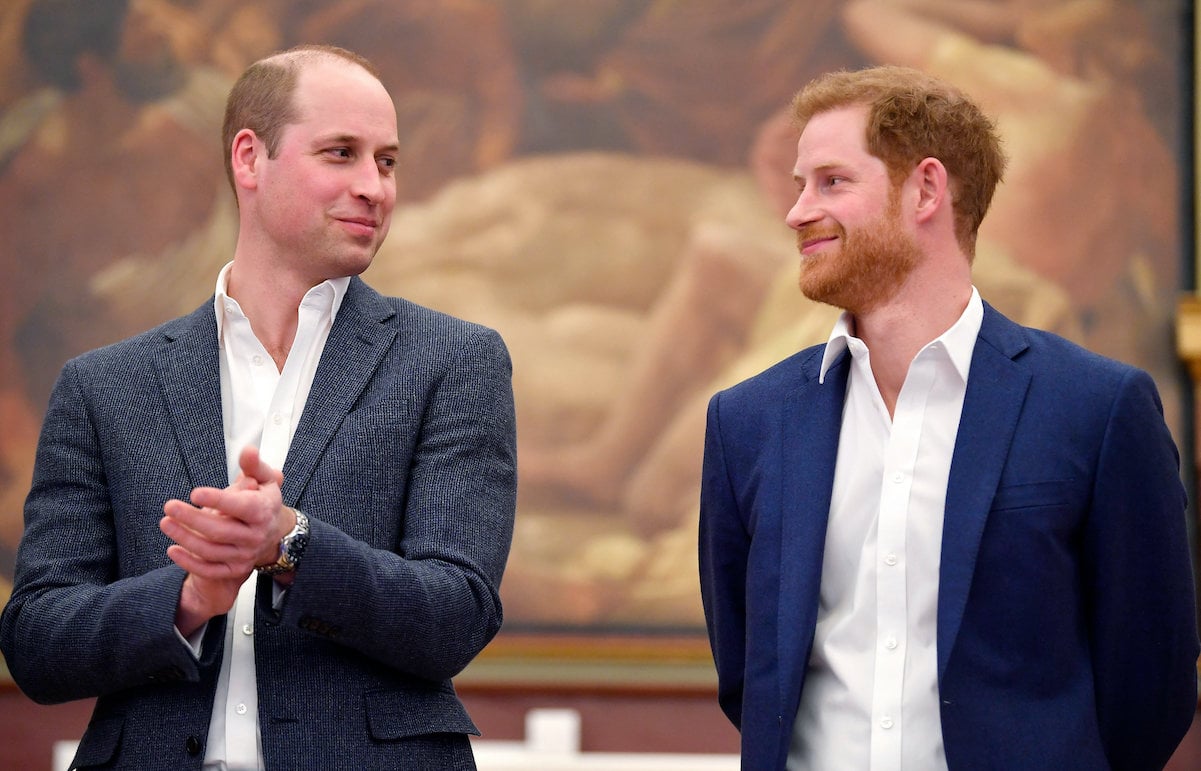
x=192, y=745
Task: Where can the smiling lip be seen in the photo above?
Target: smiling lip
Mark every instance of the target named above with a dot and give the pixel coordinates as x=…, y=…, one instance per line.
x=360, y=225
x=810, y=244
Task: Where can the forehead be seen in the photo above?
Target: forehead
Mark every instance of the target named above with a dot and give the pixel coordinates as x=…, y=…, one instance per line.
x=834, y=136
x=333, y=96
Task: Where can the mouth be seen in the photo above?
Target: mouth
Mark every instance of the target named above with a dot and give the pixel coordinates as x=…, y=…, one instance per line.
x=360, y=226
x=809, y=246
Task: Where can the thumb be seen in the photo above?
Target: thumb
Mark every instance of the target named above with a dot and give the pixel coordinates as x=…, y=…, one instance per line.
x=254, y=467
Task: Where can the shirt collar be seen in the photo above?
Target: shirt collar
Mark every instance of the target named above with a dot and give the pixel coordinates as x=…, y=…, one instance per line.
x=959, y=341
x=328, y=294
x=836, y=344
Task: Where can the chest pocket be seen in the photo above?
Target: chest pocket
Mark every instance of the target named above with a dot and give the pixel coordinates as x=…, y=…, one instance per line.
x=1037, y=495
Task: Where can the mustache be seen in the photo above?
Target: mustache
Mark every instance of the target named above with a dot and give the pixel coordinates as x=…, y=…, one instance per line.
x=813, y=232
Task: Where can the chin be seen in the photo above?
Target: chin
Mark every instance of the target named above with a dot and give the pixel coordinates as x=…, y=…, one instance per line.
x=354, y=264
x=816, y=286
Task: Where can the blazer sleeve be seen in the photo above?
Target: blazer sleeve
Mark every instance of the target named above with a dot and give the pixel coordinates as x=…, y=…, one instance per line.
x=428, y=606
x=724, y=548
x=1137, y=573
x=77, y=625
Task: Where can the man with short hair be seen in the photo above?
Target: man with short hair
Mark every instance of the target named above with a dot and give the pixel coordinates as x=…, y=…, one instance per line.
x=267, y=534
x=939, y=540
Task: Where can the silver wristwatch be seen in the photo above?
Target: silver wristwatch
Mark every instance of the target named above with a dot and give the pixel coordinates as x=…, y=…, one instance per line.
x=291, y=548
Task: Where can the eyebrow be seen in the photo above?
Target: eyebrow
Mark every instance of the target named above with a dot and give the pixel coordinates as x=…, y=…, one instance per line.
x=823, y=168
x=351, y=139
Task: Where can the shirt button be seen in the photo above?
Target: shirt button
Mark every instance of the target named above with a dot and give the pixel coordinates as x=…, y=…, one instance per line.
x=277, y=419
x=898, y=477
x=247, y=629
x=886, y=722
x=891, y=643
x=240, y=709
x=890, y=560
x=257, y=359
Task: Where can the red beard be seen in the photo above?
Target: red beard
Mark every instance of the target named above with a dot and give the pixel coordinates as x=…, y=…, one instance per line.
x=869, y=268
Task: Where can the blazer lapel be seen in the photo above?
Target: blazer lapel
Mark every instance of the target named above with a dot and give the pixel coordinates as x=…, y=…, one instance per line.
x=357, y=343
x=996, y=389
x=812, y=420
x=189, y=371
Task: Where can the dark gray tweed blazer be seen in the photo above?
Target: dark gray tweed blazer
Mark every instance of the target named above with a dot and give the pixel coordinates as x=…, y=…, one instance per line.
x=405, y=462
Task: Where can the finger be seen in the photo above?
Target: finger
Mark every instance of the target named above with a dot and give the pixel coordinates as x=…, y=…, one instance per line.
x=244, y=482
x=207, y=497
x=213, y=571
x=256, y=468
x=206, y=553
x=208, y=522
x=214, y=546
x=256, y=507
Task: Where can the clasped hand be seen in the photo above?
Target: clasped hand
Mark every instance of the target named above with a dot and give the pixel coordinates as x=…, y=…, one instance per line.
x=221, y=535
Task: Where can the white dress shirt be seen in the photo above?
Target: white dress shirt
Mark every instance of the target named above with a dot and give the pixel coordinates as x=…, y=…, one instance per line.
x=870, y=699
x=261, y=406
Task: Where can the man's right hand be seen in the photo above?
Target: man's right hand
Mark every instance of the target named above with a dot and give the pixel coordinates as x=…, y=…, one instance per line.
x=218, y=551
x=212, y=583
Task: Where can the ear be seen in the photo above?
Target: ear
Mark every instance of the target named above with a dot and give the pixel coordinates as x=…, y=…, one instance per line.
x=246, y=152
x=931, y=181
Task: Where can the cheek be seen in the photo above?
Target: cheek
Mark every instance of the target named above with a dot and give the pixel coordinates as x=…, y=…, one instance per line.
x=391, y=188
x=293, y=214
x=307, y=197
x=388, y=206
x=383, y=232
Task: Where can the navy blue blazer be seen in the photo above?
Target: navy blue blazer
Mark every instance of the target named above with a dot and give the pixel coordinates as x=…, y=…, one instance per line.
x=404, y=460
x=1066, y=633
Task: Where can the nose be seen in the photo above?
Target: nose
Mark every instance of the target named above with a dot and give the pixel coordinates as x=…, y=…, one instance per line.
x=370, y=183
x=803, y=212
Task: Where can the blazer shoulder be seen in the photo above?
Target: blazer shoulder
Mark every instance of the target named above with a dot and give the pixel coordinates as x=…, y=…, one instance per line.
x=1050, y=354
x=1058, y=367
x=409, y=312
x=406, y=315
x=782, y=377
x=128, y=355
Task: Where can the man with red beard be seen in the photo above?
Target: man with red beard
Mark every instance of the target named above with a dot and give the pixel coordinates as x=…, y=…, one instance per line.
x=941, y=539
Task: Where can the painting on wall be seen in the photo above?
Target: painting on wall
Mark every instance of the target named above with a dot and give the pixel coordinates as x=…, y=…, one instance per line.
x=604, y=183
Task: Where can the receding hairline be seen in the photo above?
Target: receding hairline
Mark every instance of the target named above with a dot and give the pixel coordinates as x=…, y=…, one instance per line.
x=263, y=98
x=300, y=57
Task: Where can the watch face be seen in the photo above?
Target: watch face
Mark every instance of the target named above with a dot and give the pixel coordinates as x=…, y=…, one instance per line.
x=294, y=543
x=291, y=547
x=294, y=547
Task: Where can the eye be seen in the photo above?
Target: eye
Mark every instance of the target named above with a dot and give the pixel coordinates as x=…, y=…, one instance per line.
x=340, y=153
x=386, y=163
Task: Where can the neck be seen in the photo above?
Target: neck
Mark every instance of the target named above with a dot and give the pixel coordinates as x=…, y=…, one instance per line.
x=896, y=330
x=271, y=303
